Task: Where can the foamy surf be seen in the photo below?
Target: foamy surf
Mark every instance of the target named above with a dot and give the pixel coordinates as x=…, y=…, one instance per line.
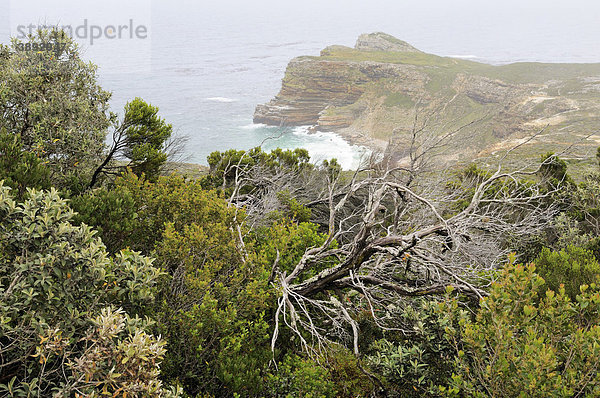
x=255, y=126
x=322, y=146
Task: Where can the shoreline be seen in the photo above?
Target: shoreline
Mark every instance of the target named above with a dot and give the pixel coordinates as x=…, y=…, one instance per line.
x=354, y=137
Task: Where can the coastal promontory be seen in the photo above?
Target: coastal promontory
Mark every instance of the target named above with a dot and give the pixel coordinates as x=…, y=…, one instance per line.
x=384, y=88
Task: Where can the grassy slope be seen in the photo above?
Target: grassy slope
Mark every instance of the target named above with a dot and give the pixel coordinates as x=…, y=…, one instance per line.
x=520, y=72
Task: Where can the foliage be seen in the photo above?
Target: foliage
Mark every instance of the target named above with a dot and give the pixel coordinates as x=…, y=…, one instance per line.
x=212, y=308
x=347, y=373
x=112, y=213
x=225, y=166
x=300, y=377
x=55, y=279
x=135, y=211
x=569, y=232
x=219, y=162
x=213, y=311
x=570, y=267
x=553, y=170
x=139, y=140
x=20, y=169
x=415, y=362
x=290, y=240
x=579, y=224
x=218, y=304
x=52, y=100
x=145, y=136
x=119, y=359
x=293, y=209
x=519, y=345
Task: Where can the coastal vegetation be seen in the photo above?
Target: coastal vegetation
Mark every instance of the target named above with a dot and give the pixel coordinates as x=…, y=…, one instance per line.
x=269, y=275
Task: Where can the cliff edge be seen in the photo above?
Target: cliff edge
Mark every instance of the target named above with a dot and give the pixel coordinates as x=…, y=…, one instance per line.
x=383, y=88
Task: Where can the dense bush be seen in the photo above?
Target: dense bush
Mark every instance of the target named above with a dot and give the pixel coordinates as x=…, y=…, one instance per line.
x=20, y=169
x=300, y=377
x=213, y=310
x=225, y=165
x=522, y=345
x=415, y=362
x=134, y=212
x=571, y=267
x=56, y=283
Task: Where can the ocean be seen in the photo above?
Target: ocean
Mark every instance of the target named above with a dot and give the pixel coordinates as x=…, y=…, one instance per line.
x=207, y=64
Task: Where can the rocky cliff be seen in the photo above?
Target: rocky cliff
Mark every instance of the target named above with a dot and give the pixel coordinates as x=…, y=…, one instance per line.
x=374, y=92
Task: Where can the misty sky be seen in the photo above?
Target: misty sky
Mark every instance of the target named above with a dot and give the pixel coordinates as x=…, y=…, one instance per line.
x=473, y=25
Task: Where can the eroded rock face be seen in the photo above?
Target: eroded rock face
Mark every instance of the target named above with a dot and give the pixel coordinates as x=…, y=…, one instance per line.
x=311, y=87
x=487, y=91
x=374, y=92
x=308, y=88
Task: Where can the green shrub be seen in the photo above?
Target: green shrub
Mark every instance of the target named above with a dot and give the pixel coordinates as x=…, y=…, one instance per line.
x=519, y=345
x=20, y=169
x=56, y=280
x=300, y=377
x=134, y=212
x=414, y=363
x=571, y=267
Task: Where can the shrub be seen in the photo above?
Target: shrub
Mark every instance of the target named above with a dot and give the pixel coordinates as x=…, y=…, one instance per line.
x=519, y=345
x=300, y=377
x=55, y=280
x=415, y=362
x=571, y=267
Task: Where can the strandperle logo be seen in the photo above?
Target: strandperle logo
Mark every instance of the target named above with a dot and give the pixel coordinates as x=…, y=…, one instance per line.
x=89, y=31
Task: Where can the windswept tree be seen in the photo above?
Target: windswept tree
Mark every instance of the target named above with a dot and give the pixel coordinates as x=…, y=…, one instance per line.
x=140, y=143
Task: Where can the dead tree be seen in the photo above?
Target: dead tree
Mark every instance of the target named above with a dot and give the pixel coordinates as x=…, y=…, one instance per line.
x=401, y=230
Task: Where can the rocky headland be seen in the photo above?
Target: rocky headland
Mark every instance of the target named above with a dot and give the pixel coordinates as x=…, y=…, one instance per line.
x=383, y=89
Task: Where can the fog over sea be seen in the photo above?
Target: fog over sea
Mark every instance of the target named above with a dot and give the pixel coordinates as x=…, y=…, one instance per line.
x=207, y=64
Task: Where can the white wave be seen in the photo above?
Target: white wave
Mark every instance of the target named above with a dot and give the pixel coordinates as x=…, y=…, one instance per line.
x=255, y=126
x=302, y=130
x=324, y=145
x=220, y=99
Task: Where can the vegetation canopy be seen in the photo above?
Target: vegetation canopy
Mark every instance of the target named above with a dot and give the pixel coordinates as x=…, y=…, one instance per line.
x=273, y=276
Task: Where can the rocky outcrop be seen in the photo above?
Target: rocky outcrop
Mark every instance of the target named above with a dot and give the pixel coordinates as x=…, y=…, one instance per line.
x=382, y=42
x=488, y=91
x=312, y=86
x=373, y=92
x=308, y=88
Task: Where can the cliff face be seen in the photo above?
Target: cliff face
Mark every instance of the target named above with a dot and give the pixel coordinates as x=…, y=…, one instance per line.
x=374, y=92
x=309, y=87
x=312, y=86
